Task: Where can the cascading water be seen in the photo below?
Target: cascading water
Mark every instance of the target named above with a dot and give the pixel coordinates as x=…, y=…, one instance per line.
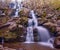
x=43, y=33
x=29, y=37
x=34, y=18
x=17, y=6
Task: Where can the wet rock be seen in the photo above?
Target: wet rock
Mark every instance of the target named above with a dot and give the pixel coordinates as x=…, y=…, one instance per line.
x=57, y=42
x=35, y=31
x=36, y=37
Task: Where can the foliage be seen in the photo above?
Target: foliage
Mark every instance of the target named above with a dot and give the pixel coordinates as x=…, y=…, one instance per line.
x=55, y=3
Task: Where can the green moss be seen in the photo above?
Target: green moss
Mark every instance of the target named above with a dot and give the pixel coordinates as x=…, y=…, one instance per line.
x=23, y=21
x=10, y=35
x=44, y=14
x=55, y=3
x=58, y=8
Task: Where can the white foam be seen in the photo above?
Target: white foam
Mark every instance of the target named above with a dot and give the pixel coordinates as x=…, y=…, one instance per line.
x=46, y=44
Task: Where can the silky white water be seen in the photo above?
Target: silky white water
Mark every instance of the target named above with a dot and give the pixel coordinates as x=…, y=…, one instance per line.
x=16, y=5
x=29, y=37
x=43, y=33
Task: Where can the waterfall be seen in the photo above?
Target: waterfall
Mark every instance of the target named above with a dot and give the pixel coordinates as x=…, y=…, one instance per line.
x=43, y=33
x=34, y=18
x=17, y=6
x=29, y=37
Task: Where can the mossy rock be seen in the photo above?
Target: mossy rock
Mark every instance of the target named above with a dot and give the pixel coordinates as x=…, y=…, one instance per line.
x=8, y=35
x=44, y=14
x=24, y=21
x=24, y=12
x=56, y=4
